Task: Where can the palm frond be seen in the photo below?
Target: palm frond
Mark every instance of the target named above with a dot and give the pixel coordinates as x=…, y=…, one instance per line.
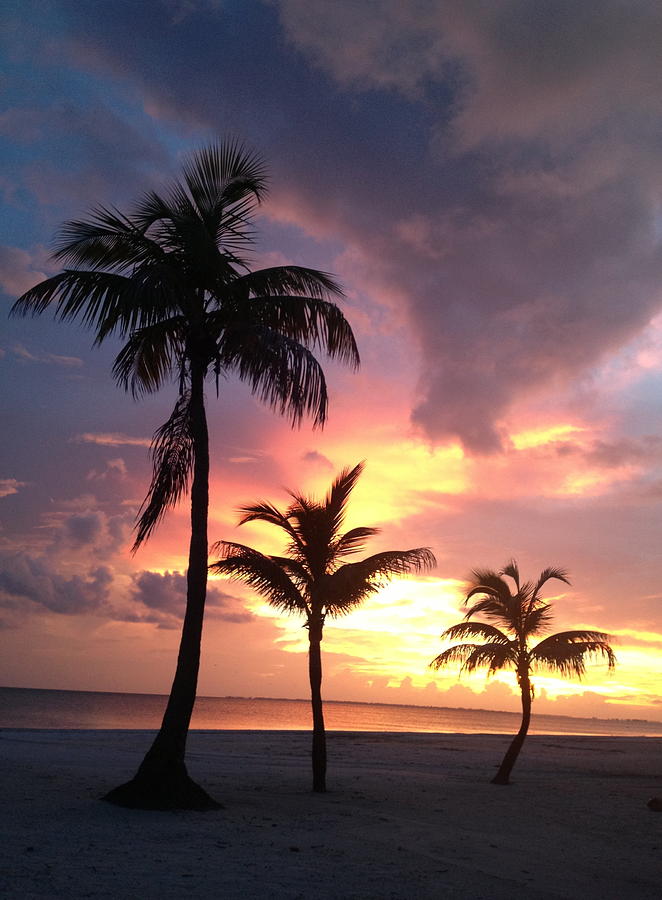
x=486, y=581
x=267, y=512
x=353, y=541
x=150, y=356
x=227, y=170
x=261, y=573
x=314, y=322
x=280, y=371
x=566, y=652
x=397, y=562
x=512, y=570
x=312, y=525
x=492, y=656
x=337, y=498
x=475, y=630
x=458, y=653
x=353, y=582
x=212, y=205
x=106, y=240
x=172, y=458
x=90, y=296
x=297, y=570
x=505, y=613
x=150, y=209
x=105, y=302
x=548, y=573
x=536, y=618
x=263, y=512
x=283, y=281
x=339, y=592
x=158, y=292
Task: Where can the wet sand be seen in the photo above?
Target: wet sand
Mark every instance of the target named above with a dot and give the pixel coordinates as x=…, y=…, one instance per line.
x=406, y=816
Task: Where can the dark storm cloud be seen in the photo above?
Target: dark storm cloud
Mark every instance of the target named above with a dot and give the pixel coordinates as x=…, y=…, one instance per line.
x=535, y=248
x=493, y=167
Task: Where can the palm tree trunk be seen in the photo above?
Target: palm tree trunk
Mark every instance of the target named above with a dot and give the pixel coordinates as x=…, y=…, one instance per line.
x=503, y=775
x=162, y=781
x=319, y=734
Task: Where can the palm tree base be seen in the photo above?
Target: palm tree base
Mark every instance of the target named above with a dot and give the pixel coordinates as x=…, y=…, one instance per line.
x=500, y=779
x=162, y=787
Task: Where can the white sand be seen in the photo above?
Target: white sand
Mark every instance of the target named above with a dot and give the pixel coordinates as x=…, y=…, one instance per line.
x=407, y=816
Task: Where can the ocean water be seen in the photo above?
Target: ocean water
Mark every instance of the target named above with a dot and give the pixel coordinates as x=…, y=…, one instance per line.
x=31, y=708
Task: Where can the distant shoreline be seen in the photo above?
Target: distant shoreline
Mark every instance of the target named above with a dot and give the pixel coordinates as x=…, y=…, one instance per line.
x=468, y=709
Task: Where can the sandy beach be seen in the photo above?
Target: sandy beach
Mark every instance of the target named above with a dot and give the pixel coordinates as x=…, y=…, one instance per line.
x=407, y=816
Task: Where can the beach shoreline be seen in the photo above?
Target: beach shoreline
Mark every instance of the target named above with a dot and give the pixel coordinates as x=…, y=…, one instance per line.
x=407, y=815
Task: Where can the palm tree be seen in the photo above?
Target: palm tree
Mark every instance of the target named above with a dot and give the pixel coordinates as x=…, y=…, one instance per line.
x=171, y=278
x=314, y=579
x=521, y=615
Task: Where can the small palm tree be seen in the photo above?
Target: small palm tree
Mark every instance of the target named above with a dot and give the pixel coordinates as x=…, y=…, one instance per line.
x=521, y=615
x=171, y=278
x=314, y=579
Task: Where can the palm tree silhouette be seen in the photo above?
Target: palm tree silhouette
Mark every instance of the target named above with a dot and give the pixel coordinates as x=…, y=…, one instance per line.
x=171, y=279
x=313, y=579
x=521, y=615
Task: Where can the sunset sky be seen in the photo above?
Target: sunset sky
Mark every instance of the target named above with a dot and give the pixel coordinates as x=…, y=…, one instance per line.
x=485, y=180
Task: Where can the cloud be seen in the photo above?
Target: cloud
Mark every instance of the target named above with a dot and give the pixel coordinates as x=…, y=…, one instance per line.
x=165, y=594
x=112, y=440
x=32, y=579
x=115, y=470
x=9, y=486
x=609, y=454
x=517, y=146
x=20, y=270
x=536, y=207
x=519, y=69
x=382, y=45
x=29, y=582
x=24, y=355
x=82, y=530
x=317, y=459
x=111, y=153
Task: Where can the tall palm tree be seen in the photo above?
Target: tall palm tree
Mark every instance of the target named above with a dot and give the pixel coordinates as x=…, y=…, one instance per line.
x=314, y=579
x=172, y=280
x=514, y=618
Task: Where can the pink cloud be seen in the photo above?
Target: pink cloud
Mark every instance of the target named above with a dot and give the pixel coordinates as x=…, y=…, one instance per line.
x=20, y=270
x=9, y=486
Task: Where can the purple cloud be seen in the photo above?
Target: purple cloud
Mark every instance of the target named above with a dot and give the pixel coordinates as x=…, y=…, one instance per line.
x=166, y=594
x=26, y=578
